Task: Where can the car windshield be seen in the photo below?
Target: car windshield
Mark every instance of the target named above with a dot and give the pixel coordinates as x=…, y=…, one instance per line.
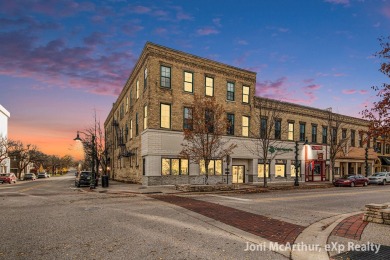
x=379, y=174
x=85, y=174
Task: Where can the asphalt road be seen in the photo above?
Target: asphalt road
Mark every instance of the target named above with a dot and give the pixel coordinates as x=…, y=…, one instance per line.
x=51, y=219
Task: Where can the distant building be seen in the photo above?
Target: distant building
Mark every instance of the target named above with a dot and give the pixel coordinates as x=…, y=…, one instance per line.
x=144, y=129
x=4, y=116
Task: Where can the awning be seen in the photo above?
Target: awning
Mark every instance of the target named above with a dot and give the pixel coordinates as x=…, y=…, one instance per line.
x=385, y=160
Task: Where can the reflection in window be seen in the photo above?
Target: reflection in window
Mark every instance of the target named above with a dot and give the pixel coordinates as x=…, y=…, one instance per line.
x=165, y=120
x=290, y=131
x=230, y=126
x=209, y=86
x=137, y=89
x=215, y=167
x=165, y=77
x=188, y=81
x=187, y=121
x=230, y=91
x=145, y=117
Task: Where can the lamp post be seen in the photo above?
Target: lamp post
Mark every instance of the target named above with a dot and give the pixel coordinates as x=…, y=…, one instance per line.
x=93, y=181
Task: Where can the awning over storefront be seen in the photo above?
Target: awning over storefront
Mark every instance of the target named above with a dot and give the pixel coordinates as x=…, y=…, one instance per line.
x=385, y=160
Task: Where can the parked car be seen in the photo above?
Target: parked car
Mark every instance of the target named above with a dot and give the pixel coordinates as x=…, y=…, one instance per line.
x=43, y=175
x=379, y=178
x=30, y=176
x=83, y=178
x=351, y=180
x=8, y=178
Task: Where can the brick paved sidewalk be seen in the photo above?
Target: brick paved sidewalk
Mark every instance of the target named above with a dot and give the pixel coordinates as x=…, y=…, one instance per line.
x=268, y=228
x=351, y=227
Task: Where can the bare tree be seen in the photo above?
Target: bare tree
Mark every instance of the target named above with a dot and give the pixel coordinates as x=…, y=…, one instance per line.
x=203, y=134
x=5, y=145
x=267, y=141
x=24, y=154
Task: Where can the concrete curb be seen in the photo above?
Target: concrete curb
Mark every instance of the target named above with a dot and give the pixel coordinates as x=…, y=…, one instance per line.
x=317, y=235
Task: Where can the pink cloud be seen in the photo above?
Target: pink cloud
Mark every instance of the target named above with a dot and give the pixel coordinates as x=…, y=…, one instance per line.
x=207, y=31
x=272, y=89
x=386, y=11
x=349, y=91
x=312, y=87
x=363, y=92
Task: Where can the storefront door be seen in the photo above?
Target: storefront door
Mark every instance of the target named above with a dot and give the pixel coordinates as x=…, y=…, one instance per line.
x=238, y=174
x=315, y=170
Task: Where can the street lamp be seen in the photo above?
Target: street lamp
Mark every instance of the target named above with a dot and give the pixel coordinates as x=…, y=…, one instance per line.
x=93, y=181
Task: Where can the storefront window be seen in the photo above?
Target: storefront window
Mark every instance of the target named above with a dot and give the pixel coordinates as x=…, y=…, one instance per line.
x=174, y=166
x=260, y=170
x=280, y=170
x=215, y=167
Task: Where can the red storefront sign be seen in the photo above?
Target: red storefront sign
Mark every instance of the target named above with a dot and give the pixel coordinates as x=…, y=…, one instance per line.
x=316, y=147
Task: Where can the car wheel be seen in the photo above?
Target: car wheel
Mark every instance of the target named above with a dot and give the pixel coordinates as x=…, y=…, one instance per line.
x=384, y=182
x=365, y=183
x=352, y=184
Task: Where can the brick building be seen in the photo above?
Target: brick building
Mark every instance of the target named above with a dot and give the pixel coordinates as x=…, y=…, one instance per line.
x=144, y=129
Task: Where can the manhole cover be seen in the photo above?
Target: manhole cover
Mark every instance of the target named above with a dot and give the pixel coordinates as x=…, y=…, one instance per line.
x=371, y=254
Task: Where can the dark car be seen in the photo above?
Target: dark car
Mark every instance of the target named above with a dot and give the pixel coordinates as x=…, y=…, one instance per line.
x=83, y=179
x=29, y=176
x=351, y=180
x=7, y=178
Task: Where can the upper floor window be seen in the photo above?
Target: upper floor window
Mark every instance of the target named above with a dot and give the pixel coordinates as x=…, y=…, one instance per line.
x=230, y=91
x=145, y=117
x=344, y=134
x=209, y=119
x=165, y=115
x=290, y=131
x=360, y=139
x=278, y=129
x=165, y=77
x=302, y=132
x=353, y=138
x=131, y=129
x=314, y=133
x=131, y=98
x=187, y=121
x=387, y=148
x=145, y=78
x=209, y=86
x=136, y=124
x=334, y=135
x=188, y=81
x=263, y=127
x=230, y=127
x=245, y=94
x=324, y=135
x=127, y=104
x=245, y=126
x=137, y=89
x=378, y=147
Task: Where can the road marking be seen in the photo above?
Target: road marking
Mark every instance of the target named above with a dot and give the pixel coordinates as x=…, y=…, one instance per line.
x=232, y=198
x=33, y=187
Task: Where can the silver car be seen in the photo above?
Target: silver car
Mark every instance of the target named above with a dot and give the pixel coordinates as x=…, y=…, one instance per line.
x=379, y=178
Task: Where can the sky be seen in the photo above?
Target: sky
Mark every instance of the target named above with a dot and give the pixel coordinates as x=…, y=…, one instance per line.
x=63, y=61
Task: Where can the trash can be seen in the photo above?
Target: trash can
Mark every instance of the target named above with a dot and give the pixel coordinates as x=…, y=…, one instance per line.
x=105, y=181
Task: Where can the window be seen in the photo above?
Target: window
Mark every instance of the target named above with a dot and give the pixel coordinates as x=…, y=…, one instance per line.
x=131, y=98
x=174, y=166
x=360, y=140
x=368, y=142
x=324, y=135
x=137, y=89
x=230, y=127
x=290, y=135
x=245, y=126
x=209, y=86
x=145, y=78
x=187, y=121
x=230, y=91
x=127, y=104
x=136, y=157
x=215, y=167
x=263, y=127
x=261, y=171
x=334, y=135
x=245, y=94
x=353, y=133
x=344, y=134
x=209, y=119
x=165, y=119
x=314, y=133
x=131, y=129
x=378, y=147
x=278, y=129
x=188, y=81
x=165, y=77
x=145, y=117
x=280, y=170
x=136, y=124
x=302, y=132
x=387, y=148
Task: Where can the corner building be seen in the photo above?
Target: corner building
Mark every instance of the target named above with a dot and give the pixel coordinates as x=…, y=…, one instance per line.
x=144, y=129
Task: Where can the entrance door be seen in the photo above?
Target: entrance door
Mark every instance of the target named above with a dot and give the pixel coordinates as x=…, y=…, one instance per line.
x=238, y=173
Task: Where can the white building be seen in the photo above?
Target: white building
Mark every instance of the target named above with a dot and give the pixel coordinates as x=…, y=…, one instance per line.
x=4, y=115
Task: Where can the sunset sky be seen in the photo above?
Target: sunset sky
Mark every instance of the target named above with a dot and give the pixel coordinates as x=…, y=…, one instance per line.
x=60, y=60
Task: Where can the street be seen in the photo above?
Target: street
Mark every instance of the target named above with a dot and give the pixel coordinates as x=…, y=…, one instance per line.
x=50, y=218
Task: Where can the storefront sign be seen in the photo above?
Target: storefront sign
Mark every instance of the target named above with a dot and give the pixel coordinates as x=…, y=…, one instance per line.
x=316, y=147
x=320, y=156
x=273, y=149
